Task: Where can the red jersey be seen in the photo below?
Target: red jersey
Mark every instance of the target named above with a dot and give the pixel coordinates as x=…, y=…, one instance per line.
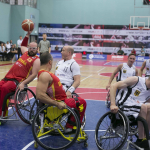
x=55, y=90
x=22, y=68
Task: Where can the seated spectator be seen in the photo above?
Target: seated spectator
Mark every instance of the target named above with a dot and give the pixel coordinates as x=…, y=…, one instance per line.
x=8, y=46
x=120, y=52
x=13, y=51
x=133, y=51
x=2, y=51
x=56, y=48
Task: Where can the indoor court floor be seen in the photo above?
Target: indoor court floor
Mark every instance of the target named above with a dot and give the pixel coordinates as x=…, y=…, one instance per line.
x=94, y=78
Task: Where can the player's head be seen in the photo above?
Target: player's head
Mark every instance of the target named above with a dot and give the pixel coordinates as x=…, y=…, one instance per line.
x=44, y=36
x=131, y=59
x=46, y=59
x=67, y=52
x=33, y=49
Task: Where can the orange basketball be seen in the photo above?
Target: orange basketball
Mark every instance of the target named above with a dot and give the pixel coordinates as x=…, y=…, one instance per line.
x=27, y=25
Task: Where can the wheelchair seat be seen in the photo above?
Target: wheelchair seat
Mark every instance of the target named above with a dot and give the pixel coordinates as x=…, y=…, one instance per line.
x=48, y=128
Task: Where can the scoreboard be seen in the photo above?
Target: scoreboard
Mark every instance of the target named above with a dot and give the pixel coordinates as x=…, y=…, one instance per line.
x=146, y=2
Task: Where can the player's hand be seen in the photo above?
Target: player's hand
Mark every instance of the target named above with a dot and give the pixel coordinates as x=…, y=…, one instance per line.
x=114, y=109
x=69, y=95
x=21, y=86
x=61, y=105
x=107, y=87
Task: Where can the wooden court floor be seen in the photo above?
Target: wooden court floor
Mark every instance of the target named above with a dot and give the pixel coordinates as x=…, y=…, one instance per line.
x=90, y=74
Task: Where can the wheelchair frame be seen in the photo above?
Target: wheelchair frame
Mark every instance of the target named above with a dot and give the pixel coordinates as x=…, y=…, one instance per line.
x=16, y=105
x=80, y=135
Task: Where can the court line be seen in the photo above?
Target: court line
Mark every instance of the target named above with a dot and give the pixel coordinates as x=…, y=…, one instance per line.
x=101, y=69
x=86, y=78
x=107, y=62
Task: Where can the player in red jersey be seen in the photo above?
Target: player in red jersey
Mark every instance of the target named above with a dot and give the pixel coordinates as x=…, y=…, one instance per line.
x=23, y=71
x=49, y=89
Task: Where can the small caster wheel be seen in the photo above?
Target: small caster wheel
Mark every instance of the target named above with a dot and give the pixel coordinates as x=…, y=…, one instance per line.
x=85, y=144
x=35, y=145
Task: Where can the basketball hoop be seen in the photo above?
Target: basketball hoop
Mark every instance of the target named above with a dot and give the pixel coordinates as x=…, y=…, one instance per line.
x=141, y=28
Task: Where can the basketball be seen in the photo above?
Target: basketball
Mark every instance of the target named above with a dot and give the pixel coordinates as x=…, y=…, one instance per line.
x=27, y=25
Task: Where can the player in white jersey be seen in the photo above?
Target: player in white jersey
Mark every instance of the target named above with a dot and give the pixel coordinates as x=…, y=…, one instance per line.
x=146, y=64
x=68, y=71
x=131, y=98
x=125, y=70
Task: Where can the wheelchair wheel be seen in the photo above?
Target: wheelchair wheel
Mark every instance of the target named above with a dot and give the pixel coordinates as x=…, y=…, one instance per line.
x=48, y=128
x=83, y=122
x=34, y=110
x=107, y=102
x=23, y=102
x=112, y=131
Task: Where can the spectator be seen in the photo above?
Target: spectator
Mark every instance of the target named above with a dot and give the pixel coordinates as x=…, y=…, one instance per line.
x=19, y=46
x=120, y=52
x=133, y=51
x=44, y=45
x=2, y=51
x=8, y=46
x=13, y=51
x=56, y=48
x=143, y=51
x=11, y=43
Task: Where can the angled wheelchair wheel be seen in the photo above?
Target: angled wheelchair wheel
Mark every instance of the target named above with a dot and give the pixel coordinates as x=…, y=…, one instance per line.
x=48, y=128
x=107, y=102
x=23, y=102
x=112, y=131
x=83, y=122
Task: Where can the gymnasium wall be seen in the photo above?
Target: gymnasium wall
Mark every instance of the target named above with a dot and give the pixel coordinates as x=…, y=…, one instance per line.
x=107, y=12
x=5, y=21
x=18, y=14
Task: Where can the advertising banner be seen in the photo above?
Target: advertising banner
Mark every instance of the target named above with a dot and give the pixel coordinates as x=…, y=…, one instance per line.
x=96, y=56
x=117, y=58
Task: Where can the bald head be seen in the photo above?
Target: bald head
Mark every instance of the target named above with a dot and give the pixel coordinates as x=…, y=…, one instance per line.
x=33, y=44
x=70, y=49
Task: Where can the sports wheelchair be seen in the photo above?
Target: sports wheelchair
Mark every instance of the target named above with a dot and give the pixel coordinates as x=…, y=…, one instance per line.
x=48, y=128
x=23, y=103
x=114, y=130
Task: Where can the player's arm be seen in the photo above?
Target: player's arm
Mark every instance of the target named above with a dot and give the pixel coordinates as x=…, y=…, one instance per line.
x=136, y=72
x=113, y=75
x=35, y=69
x=142, y=68
x=76, y=76
x=120, y=85
x=25, y=43
x=43, y=82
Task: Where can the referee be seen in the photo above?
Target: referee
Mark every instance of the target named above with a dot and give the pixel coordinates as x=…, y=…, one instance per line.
x=44, y=45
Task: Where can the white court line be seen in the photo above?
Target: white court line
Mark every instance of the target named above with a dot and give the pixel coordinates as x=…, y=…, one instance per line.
x=86, y=78
x=101, y=69
x=107, y=62
x=35, y=79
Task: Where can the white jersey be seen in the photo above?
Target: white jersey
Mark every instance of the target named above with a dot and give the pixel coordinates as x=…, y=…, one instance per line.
x=147, y=68
x=66, y=70
x=131, y=98
x=126, y=72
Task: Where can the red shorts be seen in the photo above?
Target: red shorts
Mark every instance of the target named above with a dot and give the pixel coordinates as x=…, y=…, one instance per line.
x=72, y=103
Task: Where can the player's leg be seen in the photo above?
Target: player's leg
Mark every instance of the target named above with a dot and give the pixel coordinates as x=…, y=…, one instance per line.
x=7, y=87
x=73, y=104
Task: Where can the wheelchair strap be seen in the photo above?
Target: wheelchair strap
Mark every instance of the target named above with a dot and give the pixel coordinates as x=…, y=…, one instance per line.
x=17, y=82
x=77, y=102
